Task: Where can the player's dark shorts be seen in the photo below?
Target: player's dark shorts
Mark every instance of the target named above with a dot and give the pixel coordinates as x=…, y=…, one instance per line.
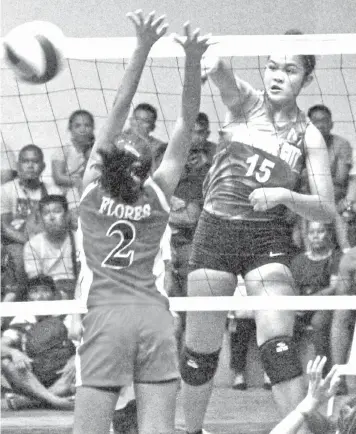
x=238, y=246
x=125, y=344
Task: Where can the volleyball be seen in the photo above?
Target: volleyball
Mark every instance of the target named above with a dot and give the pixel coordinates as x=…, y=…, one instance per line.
x=34, y=51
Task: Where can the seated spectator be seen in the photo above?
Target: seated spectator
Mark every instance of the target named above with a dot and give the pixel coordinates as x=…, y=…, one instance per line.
x=343, y=322
x=186, y=206
x=142, y=124
x=37, y=356
x=340, y=151
x=53, y=252
x=319, y=391
x=347, y=207
x=19, y=204
x=69, y=161
x=315, y=272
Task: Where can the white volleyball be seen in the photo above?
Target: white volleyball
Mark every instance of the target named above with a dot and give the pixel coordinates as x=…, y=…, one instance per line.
x=34, y=51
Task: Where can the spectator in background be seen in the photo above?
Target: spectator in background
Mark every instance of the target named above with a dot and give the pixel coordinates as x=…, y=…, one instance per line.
x=347, y=207
x=7, y=164
x=37, y=357
x=315, y=272
x=69, y=161
x=19, y=204
x=186, y=206
x=340, y=151
x=344, y=320
x=142, y=124
x=53, y=251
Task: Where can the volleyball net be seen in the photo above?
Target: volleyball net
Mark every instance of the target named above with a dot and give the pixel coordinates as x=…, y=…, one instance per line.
x=39, y=114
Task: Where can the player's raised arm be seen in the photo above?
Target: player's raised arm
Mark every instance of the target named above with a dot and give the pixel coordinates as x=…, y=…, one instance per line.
x=148, y=31
x=169, y=172
x=234, y=92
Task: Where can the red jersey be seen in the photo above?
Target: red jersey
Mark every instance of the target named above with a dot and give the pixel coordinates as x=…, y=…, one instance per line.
x=256, y=153
x=120, y=243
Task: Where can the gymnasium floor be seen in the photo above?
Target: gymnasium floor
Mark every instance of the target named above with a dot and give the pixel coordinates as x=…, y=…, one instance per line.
x=230, y=412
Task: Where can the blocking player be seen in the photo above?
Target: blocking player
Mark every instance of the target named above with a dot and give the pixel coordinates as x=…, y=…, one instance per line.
x=242, y=229
x=128, y=332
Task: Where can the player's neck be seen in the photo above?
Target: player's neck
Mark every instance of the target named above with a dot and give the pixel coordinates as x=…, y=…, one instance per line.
x=283, y=112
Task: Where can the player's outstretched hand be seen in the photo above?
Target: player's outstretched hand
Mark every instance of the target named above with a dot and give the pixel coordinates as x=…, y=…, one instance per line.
x=319, y=389
x=149, y=29
x=194, y=45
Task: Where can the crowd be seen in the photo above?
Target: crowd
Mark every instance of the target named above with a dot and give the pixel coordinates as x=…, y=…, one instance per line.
x=40, y=255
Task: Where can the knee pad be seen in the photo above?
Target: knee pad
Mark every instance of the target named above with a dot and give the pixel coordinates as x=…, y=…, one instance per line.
x=280, y=359
x=197, y=368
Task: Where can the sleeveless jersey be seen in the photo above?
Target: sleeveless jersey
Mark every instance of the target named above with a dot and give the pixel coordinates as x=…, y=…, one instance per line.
x=120, y=244
x=254, y=153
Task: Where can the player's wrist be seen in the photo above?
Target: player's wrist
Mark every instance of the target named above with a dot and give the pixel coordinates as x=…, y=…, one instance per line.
x=307, y=407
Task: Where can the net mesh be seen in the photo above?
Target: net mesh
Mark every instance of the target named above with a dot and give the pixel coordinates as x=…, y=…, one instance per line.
x=39, y=114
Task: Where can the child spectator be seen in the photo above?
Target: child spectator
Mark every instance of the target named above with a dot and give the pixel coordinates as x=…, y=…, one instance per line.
x=37, y=356
x=316, y=273
x=69, y=161
x=53, y=251
x=19, y=204
x=142, y=124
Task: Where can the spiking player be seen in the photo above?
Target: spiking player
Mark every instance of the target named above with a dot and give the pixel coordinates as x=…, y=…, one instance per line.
x=242, y=229
x=128, y=330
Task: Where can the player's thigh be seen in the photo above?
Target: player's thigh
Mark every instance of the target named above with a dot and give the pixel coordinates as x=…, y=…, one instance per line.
x=156, y=405
x=205, y=329
x=271, y=279
x=157, y=354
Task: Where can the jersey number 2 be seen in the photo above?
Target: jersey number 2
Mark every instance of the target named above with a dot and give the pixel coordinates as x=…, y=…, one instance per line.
x=120, y=257
x=264, y=171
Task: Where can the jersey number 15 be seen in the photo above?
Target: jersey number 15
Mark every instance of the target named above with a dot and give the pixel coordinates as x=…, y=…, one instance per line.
x=263, y=173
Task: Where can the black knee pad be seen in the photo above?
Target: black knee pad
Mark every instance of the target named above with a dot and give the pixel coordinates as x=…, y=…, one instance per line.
x=196, y=368
x=280, y=359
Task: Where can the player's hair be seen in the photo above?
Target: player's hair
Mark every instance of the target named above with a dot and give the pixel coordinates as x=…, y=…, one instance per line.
x=309, y=60
x=148, y=108
x=41, y=280
x=77, y=113
x=32, y=147
x=115, y=166
x=53, y=198
x=319, y=108
x=203, y=120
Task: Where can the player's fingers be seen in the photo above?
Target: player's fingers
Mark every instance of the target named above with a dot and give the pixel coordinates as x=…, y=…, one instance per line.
x=156, y=23
x=132, y=18
x=162, y=30
x=178, y=39
x=150, y=17
x=187, y=30
x=195, y=34
x=140, y=17
x=309, y=366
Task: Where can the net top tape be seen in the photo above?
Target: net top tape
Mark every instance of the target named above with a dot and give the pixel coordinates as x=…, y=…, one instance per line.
x=252, y=303
x=224, y=46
